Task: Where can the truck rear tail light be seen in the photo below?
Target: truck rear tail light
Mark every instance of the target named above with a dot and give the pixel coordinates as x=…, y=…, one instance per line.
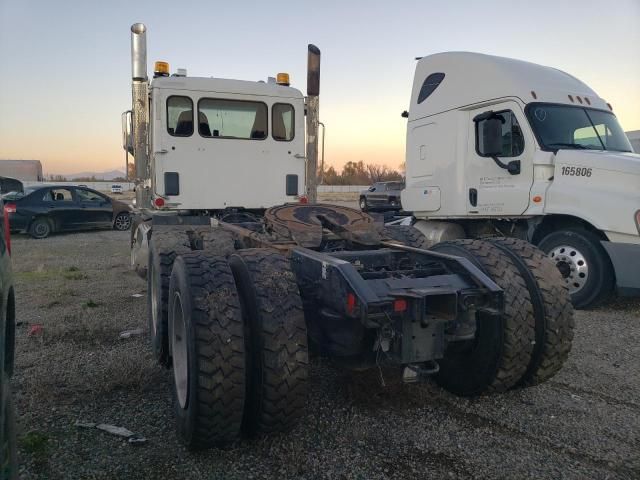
x=159, y=202
x=303, y=199
x=399, y=305
x=10, y=208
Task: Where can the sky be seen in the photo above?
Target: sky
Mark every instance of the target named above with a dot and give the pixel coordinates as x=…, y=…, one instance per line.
x=65, y=65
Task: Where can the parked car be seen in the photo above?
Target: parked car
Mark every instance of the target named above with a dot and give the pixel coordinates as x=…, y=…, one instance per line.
x=8, y=446
x=39, y=211
x=382, y=196
x=116, y=188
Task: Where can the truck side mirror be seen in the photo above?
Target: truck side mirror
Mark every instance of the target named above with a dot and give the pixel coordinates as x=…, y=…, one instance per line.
x=490, y=142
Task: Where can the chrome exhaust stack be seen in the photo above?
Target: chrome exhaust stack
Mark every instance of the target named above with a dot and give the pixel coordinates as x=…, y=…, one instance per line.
x=313, y=110
x=140, y=108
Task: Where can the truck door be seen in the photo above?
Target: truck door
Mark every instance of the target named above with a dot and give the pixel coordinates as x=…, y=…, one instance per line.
x=491, y=189
x=374, y=198
x=174, y=144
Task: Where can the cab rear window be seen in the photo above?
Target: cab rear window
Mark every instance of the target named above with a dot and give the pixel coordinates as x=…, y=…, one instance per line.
x=225, y=118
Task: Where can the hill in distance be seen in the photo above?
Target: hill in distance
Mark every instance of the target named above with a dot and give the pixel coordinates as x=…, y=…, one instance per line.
x=108, y=175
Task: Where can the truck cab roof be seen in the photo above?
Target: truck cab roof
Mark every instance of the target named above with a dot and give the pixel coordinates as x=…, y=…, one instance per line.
x=224, y=85
x=454, y=80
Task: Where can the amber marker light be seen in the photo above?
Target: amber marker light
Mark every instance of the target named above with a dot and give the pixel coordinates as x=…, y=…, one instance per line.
x=282, y=79
x=161, y=69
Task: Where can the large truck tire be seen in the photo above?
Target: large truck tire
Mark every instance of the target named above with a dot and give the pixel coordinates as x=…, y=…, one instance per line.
x=551, y=307
x=583, y=263
x=278, y=362
x=216, y=240
x=498, y=357
x=206, y=334
x=164, y=247
x=408, y=235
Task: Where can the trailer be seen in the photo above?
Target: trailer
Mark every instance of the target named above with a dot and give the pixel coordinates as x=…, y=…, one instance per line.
x=244, y=285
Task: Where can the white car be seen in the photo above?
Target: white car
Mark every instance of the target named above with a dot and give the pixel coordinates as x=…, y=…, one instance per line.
x=116, y=188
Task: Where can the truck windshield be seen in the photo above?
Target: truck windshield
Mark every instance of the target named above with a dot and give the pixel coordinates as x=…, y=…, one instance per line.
x=567, y=127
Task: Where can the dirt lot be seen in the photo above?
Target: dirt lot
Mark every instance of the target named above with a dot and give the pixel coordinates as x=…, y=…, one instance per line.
x=585, y=423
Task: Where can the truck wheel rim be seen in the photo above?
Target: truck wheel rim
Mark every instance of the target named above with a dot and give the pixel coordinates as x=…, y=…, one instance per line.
x=123, y=222
x=179, y=352
x=155, y=299
x=572, y=265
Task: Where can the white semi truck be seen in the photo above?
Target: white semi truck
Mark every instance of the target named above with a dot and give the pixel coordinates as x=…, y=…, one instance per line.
x=239, y=281
x=497, y=146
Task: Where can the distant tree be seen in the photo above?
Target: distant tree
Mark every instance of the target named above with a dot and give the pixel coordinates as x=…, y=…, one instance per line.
x=331, y=177
x=57, y=178
x=354, y=173
x=382, y=173
x=359, y=173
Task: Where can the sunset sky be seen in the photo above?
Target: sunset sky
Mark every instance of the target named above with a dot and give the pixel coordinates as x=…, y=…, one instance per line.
x=65, y=65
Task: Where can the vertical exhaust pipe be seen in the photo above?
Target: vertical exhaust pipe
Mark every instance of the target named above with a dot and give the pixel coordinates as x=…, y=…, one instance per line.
x=313, y=110
x=139, y=52
x=140, y=109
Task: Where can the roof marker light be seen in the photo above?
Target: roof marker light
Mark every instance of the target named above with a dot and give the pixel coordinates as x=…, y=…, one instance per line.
x=570, y=98
x=282, y=79
x=161, y=69
x=533, y=94
x=610, y=107
x=587, y=100
x=579, y=100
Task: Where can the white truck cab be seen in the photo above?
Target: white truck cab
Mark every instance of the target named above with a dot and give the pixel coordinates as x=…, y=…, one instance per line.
x=502, y=146
x=204, y=145
x=246, y=149
x=214, y=148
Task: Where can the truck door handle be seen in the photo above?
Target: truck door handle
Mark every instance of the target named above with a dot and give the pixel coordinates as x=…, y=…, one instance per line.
x=297, y=155
x=161, y=151
x=473, y=197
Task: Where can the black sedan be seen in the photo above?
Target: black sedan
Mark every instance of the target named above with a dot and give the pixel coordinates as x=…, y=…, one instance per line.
x=381, y=196
x=39, y=211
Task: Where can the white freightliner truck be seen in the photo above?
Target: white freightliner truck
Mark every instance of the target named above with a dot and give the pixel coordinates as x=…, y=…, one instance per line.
x=239, y=281
x=506, y=147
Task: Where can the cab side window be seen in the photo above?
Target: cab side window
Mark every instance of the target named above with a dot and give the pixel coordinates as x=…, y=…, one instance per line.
x=179, y=116
x=512, y=138
x=282, y=120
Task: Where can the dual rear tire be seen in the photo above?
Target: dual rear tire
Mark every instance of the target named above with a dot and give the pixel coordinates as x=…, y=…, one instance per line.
x=526, y=345
x=238, y=344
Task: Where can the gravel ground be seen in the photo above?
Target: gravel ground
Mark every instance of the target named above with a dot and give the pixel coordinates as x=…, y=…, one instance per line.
x=584, y=423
